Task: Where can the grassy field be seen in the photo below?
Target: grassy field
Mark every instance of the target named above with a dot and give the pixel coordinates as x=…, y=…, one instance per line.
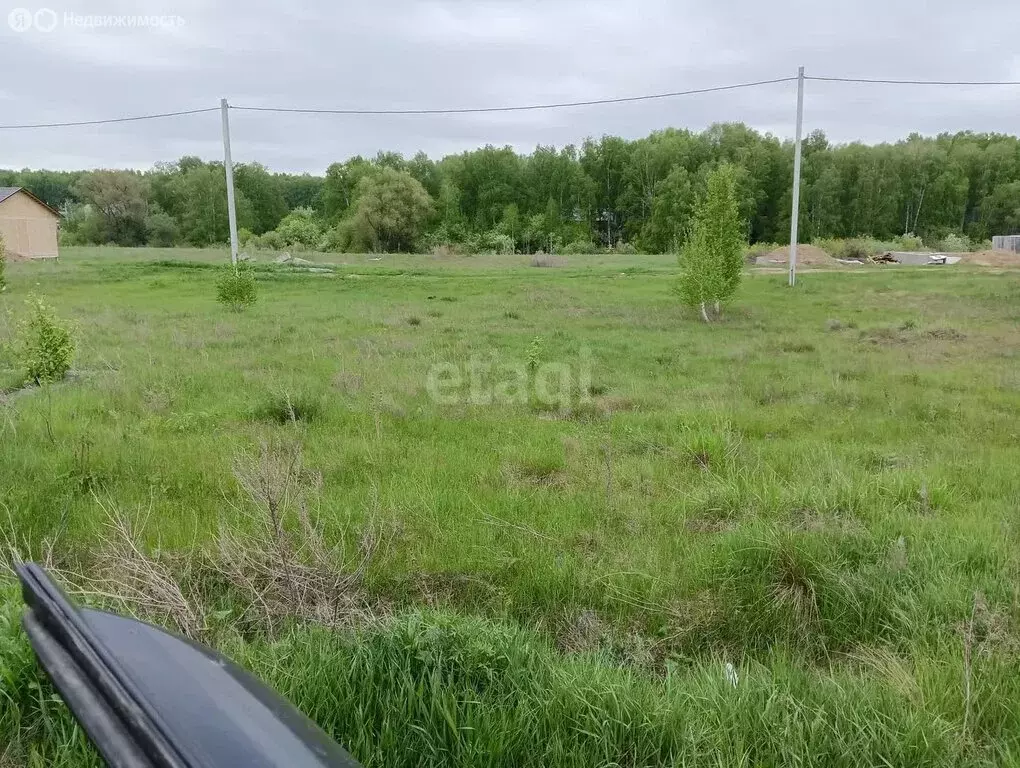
x=822, y=491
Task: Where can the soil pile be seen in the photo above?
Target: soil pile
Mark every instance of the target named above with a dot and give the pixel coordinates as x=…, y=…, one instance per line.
x=992, y=259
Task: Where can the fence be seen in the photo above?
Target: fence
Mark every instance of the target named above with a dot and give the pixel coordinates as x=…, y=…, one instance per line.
x=1007, y=243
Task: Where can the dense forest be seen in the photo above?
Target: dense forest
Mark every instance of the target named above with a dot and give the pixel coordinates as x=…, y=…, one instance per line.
x=608, y=192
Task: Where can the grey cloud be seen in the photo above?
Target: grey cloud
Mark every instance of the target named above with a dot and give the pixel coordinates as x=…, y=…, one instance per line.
x=461, y=53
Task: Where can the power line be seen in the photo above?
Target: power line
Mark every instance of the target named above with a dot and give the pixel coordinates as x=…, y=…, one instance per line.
x=520, y=108
x=910, y=82
x=516, y=108
x=112, y=119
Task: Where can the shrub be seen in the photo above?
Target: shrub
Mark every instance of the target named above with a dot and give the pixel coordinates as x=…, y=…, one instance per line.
x=909, y=242
x=859, y=248
x=300, y=228
x=492, y=241
x=753, y=251
x=853, y=250
x=270, y=241
x=236, y=288
x=44, y=344
x=954, y=243
x=244, y=237
x=336, y=239
x=579, y=247
x=161, y=228
x=626, y=249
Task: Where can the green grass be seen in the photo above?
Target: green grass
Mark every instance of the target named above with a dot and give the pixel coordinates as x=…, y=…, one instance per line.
x=815, y=502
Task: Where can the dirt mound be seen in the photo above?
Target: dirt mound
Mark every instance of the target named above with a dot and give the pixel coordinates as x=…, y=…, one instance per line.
x=807, y=256
x=992, y=259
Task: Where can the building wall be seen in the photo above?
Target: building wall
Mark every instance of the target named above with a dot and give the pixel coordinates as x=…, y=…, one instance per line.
x=29, y=229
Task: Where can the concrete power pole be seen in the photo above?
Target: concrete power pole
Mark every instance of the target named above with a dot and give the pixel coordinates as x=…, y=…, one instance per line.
x=228, y=164
x=795, y=216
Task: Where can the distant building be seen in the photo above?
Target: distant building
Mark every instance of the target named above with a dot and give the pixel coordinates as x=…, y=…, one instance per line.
x=27, y=225
x=1007, y=243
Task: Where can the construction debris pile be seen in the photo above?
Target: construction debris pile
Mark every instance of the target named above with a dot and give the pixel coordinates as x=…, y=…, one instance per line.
x=812, y=256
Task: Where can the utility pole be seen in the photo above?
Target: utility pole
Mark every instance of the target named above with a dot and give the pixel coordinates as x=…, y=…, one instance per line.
x=228, y=164
x=795, y=217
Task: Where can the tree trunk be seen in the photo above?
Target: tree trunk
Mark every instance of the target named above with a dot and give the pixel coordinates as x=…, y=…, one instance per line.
x=718, y=309
x=917, y=213
x=704, y=313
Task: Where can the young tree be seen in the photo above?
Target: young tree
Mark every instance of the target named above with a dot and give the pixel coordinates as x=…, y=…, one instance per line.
x=720, y=215
x=698, y=274
x=711, y=260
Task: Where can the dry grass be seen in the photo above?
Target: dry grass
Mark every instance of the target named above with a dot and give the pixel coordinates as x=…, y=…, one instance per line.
x=276, y=566
x=278, y=562
x=150, y=583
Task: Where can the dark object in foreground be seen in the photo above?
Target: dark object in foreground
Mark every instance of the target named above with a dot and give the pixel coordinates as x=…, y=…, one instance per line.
x=150, y=699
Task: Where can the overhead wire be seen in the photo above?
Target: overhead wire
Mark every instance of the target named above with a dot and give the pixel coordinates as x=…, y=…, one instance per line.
x=415, y=111
x=883, y=81
x=513, y=107
x=105, y=121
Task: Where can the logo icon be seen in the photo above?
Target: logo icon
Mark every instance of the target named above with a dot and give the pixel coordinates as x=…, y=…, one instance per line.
x=20, y=19
x=45, y=20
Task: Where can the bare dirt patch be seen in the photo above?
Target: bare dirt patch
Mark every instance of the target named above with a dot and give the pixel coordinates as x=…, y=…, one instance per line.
x=807, y=256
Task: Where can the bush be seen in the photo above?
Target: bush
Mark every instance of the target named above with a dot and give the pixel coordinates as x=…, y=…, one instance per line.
x=625, y=249
x=755, y=250
x=860, y=248
x=300, y=228
x=236, y=288
x=82, y=225
x=44, y=345
x=579, y=247
x=160, y=228
x=853, y=250
x=953, y=243
x=337, y=239
x=245, y=236
x=909, y=242
x=492, y=241
x=270, y=241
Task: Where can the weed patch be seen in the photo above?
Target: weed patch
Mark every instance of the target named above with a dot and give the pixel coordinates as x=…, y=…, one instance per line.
x=290, y=409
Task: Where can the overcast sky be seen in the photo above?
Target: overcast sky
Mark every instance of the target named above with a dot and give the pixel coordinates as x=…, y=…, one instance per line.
x=468, y=53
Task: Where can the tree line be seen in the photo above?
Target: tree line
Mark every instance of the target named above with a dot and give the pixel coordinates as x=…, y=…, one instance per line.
x=605, y=193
